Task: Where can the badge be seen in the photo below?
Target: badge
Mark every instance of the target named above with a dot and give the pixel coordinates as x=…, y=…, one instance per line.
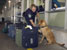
x=29, y=15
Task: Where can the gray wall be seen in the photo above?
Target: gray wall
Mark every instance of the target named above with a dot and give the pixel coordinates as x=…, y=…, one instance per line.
x=57, y=19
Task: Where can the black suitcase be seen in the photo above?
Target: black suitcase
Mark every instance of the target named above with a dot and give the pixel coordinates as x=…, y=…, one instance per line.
x=29, y=38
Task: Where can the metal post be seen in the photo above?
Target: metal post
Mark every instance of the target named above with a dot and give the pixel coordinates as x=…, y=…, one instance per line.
x=11, y=13
x=48, y=5
x=35, y=2
x=28, y=3
x=65, y=26
x=22, y=7
x=14, y=14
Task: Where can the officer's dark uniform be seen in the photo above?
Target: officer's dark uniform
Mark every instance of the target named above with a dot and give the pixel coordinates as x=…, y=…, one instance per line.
x=29, y=14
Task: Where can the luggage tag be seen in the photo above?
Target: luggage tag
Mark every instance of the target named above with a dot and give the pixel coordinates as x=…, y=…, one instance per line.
x=29, y=16
x=31, y=40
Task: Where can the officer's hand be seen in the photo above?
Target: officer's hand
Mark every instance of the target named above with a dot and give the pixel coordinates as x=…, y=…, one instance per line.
x=34, y=25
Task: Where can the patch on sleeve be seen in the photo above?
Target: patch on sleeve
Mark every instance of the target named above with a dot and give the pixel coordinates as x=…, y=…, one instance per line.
x=29, y=16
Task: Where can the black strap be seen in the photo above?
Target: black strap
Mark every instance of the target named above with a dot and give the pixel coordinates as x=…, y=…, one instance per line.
x=44, y=26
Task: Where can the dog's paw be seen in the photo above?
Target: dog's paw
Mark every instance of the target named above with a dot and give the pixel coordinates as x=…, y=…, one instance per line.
x=48, y=43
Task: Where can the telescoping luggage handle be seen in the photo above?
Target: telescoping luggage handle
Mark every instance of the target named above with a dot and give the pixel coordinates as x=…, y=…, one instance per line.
x=29, y=27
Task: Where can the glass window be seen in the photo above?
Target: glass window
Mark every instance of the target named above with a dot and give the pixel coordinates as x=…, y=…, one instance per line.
x=58, y=3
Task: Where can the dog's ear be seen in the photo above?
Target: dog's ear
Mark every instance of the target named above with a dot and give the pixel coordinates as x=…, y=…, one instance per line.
x=41, y=21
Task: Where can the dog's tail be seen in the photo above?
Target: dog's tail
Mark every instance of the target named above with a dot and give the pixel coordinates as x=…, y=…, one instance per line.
x=60, y=44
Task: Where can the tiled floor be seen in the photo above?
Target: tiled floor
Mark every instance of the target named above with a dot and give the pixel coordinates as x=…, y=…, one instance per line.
x=7, y=44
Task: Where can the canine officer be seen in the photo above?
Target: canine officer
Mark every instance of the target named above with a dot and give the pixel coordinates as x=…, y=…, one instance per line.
x=30, y=14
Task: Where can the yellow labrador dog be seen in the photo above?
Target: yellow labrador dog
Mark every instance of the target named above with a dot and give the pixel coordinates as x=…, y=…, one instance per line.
x=46, y=32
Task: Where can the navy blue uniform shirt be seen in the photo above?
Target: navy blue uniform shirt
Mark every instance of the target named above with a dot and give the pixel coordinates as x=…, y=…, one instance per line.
x=29, y=14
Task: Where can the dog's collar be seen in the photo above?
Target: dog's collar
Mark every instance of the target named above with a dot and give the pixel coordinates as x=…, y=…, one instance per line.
x=43, y=26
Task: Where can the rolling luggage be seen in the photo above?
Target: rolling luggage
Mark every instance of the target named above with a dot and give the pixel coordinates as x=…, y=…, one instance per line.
x=11, y=31
x=5, y=29
x=18, y=37
x=29, y=37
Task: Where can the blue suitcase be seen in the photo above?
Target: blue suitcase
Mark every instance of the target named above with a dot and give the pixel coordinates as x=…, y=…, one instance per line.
x=11, y=31
x=5, y=29
x=29, y=38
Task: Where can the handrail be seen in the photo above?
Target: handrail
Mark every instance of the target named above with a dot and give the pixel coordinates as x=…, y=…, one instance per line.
x=61, y=9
